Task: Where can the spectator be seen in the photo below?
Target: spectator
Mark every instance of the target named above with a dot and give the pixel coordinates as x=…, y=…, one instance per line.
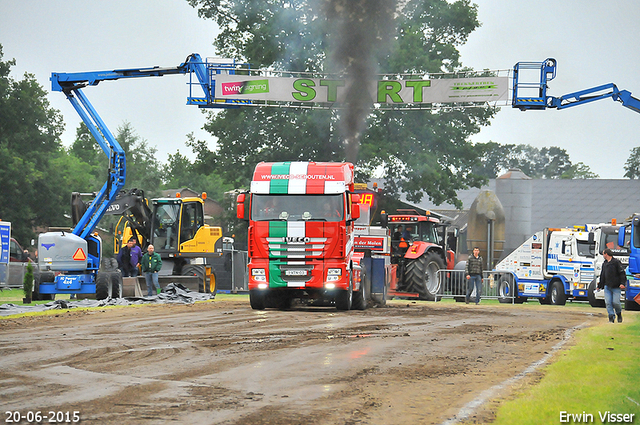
x=129, y=258
x=473, y=271
x=613, y=279
x=151, y=265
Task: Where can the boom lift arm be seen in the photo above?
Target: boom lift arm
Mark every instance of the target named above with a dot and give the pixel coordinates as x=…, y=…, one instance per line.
x=71, y=84
x=533, y=95
x=78, y=254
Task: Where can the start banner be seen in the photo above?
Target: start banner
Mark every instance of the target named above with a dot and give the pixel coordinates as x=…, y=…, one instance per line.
x=387, y=92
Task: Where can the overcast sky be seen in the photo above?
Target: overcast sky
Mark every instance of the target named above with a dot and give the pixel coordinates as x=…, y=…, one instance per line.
x=594, y=42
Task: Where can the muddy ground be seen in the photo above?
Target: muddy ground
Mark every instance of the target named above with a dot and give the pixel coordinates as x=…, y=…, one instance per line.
x=220, y=362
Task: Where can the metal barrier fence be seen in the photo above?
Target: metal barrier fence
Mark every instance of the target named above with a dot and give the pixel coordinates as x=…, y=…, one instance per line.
x=495, y=285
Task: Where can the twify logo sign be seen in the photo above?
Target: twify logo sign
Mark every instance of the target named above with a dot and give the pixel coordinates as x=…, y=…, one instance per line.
x=245, y=87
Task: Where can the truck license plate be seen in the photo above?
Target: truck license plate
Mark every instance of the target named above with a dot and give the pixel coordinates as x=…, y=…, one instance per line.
x=295, y=272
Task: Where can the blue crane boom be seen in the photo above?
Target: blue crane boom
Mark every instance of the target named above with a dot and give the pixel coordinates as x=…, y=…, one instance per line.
x=529, y=94
x=77, y=255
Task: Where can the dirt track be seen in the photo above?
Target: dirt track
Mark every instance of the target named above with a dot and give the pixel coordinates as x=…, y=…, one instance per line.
x=222, y=363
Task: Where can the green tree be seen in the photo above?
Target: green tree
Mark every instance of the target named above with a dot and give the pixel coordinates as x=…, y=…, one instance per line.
x=199, y=175
x=579, y=171
x=545, y=163
x=632, y=166
x=419, y=152
x=143, y=169
x=32, y=189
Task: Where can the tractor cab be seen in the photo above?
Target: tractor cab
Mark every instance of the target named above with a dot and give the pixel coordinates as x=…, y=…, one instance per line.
x=409, y=227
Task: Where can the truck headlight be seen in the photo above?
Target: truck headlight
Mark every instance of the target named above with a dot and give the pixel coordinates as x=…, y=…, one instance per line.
x=259, y=275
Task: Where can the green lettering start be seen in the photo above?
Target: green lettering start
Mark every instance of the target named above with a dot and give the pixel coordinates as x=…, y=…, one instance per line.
x=388, y=91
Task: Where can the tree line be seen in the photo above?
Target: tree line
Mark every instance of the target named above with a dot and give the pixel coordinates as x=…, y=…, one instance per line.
x=419, y=153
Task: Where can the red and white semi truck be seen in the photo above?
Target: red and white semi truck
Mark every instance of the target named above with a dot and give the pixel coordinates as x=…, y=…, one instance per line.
x=301, y=236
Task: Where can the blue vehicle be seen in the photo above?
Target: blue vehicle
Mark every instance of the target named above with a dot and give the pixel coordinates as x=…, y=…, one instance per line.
x=69, y=262
x=629, y=236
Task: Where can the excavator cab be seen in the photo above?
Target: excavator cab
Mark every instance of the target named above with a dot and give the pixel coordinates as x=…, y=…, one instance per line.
x=177, y=225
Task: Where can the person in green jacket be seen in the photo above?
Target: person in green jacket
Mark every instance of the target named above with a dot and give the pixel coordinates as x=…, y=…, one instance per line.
x=151, y=264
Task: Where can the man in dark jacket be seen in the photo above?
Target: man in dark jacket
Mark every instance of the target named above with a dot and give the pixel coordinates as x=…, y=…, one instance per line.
x=473, y=271
x=129, y=258
x=613, y=279
x=151, y=264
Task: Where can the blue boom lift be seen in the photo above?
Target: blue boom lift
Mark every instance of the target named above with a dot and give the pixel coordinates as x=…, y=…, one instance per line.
x=76, y=255
x=533, y=94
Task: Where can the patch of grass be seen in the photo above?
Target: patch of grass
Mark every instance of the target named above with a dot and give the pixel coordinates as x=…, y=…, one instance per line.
x=15, y=296
x=599, y=373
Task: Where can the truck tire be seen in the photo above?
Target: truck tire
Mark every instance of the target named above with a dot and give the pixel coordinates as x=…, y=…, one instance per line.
x=421, y=275
x=196, y=270
x=593, y=301
x=103, y=285
x=344, y=297
x=506, y=288
x=631, y=305
x=361, y=297
x=38, y=277
x=557, y=295
x=256, y=299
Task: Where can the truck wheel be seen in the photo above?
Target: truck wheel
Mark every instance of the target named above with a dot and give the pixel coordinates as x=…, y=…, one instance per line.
x=344, y=298
x=38, y=277
x=256, y=299
x=116, y=284
x=196, y=270
x=421, y=275
x=361, y=297
x=506, y=288
x=631, y=305
x=557, y=295
x=591, y=295
x=103, y=285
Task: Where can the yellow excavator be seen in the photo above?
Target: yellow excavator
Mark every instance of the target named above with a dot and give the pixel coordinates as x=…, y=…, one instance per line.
x=176, y=229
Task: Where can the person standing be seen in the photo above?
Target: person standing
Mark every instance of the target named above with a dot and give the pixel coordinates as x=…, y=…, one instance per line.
x=151, y=265
x=129, y=258
x=613, y=279
x=473, y=271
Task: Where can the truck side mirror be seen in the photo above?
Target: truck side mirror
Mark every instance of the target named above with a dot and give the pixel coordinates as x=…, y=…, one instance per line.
x=591, y=238
x=241, y=212
x=621, y=231
x=384, y=219
x=355, y=211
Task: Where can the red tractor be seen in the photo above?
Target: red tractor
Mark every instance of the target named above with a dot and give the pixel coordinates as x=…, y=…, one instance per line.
x=419, y=249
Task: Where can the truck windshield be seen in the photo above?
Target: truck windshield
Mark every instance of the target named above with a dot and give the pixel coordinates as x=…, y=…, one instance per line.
x=297, y=207
x=586, y=249
x=609, y=239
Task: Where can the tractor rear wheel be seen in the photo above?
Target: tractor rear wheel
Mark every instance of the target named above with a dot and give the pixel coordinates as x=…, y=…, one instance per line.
x=421, y=275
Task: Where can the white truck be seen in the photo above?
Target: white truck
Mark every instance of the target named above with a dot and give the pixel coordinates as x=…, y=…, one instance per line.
x=553, y=265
